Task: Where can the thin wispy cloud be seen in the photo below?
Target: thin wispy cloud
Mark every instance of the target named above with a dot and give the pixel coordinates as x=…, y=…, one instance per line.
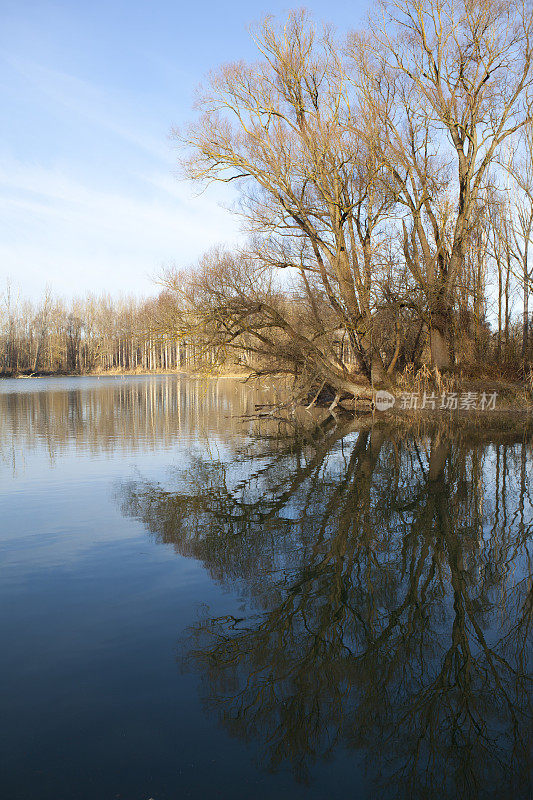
x=84, y=221
x=56, y=229
x=90, y=102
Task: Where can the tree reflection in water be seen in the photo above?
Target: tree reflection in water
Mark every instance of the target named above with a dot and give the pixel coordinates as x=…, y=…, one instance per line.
x=388, y=580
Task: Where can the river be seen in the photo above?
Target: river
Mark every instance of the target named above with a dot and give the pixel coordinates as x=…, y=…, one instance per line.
x=195, y=603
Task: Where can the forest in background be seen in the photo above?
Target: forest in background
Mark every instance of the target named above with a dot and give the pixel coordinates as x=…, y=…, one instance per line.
x=385, y=182
x=91, y=334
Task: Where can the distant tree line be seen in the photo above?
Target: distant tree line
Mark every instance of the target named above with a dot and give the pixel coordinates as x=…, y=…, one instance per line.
x=90, y=334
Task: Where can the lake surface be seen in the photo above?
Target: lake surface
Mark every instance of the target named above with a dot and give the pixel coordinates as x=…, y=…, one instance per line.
x=197, y=604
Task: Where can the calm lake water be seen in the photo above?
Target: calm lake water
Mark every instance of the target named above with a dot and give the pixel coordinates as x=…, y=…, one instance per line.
x=194, y=604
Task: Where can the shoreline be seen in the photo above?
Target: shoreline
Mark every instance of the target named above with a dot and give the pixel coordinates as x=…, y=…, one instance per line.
x=127, y=374
x=515, y=402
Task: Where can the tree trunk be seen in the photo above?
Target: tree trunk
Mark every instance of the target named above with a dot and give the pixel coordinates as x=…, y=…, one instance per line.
x=440, y=350
x=525, y=326
x=379, y=375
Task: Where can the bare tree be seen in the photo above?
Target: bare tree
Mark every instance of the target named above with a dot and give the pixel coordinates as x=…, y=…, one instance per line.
x=521, y=168
x=449, y=82
x=283, y=128
x=41, y=322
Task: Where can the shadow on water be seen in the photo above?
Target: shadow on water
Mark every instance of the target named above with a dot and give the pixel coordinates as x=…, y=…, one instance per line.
x=386, y=579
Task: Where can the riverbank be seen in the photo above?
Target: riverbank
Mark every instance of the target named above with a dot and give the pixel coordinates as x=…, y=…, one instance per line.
x=467, y=396
x=408, y=399
x=117, y=373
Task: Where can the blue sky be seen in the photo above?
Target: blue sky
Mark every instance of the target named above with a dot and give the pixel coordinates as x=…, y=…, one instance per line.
x=89, y=198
